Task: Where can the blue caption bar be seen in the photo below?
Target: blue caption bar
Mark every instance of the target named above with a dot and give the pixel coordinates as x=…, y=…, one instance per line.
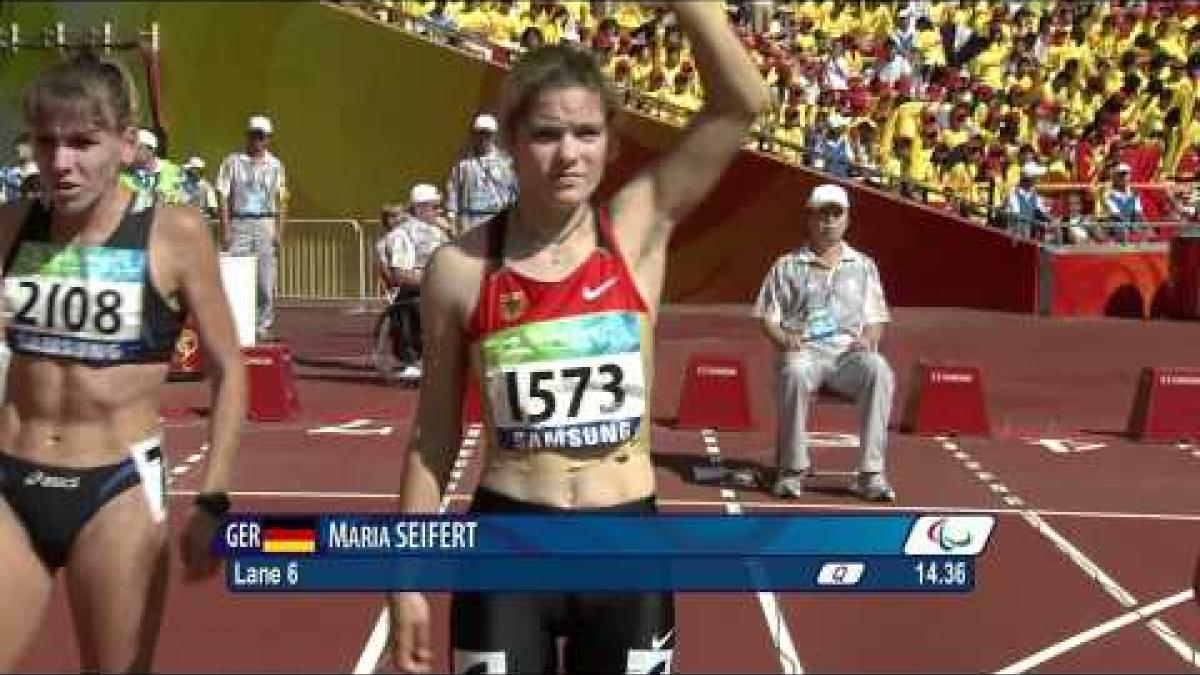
x=578, y=535
x=275, y=573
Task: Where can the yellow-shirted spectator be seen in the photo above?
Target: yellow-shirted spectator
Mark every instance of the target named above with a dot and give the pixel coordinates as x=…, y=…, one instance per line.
x=905, y=121
x=962, y=12
x=812, y=12
x=1106, y=39
x=960, y=181
x=839, y=23
x=981, y=16
x=806, y=38
x=929, y=44
x=879, y=19
x=956, y=133
x=681, y=97
x=789, y=136
x=990, y=65
x=416, y=8
x=641, y=66
x=629, y=16
x=580, y=11
x=473, y=17
x=543, y=19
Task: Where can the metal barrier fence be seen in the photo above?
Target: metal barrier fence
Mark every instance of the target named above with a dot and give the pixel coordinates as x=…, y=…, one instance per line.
x=328, y=259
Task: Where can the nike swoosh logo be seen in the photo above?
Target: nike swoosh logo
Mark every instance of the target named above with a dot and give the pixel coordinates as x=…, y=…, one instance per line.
x=657, y=644
x=590, y=294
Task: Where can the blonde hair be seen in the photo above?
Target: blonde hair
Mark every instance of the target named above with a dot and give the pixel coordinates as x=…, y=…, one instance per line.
x=550, y=67
x=85, y=88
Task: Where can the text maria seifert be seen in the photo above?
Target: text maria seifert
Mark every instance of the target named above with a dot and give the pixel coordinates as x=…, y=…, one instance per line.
x=435, y=535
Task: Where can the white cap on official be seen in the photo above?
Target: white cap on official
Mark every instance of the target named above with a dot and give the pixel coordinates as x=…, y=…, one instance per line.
x=485, y=122
x=424, y=193
x=194, y=163
x=260, y=123
x=147, y=138
x=1123, y=168
x=1033, y=170
x=827, y=194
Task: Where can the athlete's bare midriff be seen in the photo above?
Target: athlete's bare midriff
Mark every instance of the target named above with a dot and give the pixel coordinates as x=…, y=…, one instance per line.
x=565, y=480
x=67, y=414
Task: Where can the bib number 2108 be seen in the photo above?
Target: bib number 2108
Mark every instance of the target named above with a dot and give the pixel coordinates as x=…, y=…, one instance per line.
x=558, y=388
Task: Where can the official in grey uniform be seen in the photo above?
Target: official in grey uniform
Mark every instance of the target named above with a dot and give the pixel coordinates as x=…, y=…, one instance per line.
x=823, y=308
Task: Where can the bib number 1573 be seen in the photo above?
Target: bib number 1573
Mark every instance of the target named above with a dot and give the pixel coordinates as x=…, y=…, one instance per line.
x=562, y=391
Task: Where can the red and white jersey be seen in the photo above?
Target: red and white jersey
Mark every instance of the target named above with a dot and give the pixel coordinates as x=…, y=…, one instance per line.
x=563, y=364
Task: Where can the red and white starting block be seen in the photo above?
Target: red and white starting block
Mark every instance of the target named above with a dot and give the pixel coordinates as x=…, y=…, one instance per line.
x=714, y=394
x=270, y=383
x=946, y=400
x=1167, y=405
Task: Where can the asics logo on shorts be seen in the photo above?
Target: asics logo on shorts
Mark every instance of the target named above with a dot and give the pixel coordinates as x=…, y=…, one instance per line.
x=591, y=293
x=45, y=480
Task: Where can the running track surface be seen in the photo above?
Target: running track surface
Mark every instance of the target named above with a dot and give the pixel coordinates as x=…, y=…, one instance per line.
x=1088, y=570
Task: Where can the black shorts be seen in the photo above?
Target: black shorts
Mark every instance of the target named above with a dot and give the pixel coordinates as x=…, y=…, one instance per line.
x=55, y=503
x=518, y=633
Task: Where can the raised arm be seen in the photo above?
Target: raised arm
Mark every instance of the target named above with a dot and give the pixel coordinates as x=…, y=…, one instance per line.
x=658, y=198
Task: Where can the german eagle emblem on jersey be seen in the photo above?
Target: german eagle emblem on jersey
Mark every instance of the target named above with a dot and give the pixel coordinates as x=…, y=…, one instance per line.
x=512, y=305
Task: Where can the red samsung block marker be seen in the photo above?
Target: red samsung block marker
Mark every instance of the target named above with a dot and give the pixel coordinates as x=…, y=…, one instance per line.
x=946, y=400
x=1167, y=405
x=270, y=383
x=714, y=394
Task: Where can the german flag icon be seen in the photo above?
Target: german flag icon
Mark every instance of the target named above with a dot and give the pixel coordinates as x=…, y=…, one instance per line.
x=290, y=536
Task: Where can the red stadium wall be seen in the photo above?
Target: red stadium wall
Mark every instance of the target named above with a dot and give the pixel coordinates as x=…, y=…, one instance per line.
x=1128, y=284
x=721, y=252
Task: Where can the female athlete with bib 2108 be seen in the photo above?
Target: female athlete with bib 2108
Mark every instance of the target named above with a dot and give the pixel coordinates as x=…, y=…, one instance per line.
x=98, y=280
x=551, y=307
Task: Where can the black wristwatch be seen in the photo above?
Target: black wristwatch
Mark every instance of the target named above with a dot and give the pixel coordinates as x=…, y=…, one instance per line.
x=215, y=504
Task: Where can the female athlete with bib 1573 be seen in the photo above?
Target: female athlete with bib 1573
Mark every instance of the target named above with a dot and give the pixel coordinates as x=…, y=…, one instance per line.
x=550, y=307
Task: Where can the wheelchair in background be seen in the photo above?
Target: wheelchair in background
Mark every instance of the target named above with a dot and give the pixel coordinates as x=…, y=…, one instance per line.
x=397, y=348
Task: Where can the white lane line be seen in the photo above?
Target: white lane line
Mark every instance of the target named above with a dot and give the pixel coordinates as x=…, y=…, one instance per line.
x=1111, y=587
x=368, y=660
x=1100, y=577
x=781, y=635
x=1096, y=632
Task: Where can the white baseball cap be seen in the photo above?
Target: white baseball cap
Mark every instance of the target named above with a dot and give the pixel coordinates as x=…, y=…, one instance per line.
x=260, y=123
x=194, y=163
x=829, y=194
x=424, y=193
x=147, y=138
x=485, y=122
x=1123, y=168
x=1033, y=170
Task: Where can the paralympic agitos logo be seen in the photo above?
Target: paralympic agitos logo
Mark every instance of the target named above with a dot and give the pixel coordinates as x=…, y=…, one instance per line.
x=949, y=534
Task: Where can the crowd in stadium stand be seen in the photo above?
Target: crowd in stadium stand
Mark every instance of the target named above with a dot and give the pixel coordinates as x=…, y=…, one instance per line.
x=962, y=104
